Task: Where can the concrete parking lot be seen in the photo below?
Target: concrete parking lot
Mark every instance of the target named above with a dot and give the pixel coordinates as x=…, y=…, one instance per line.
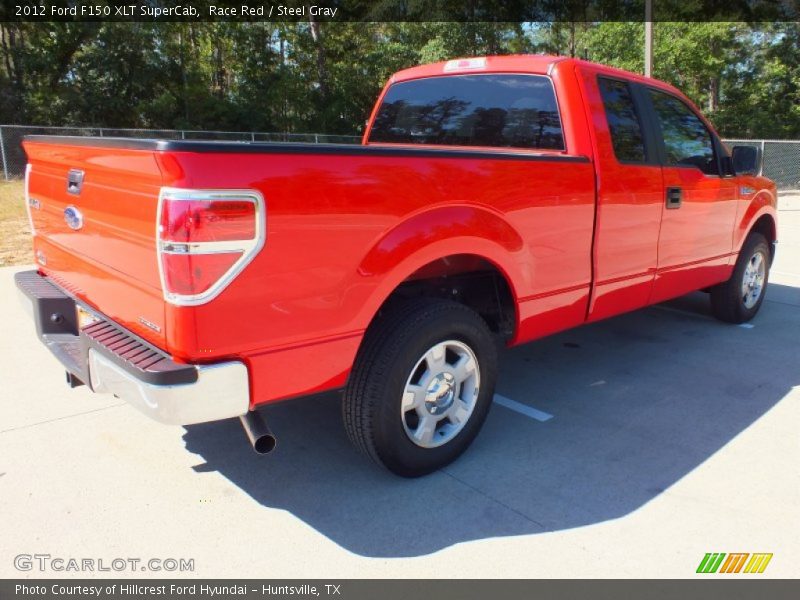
x=672, y=435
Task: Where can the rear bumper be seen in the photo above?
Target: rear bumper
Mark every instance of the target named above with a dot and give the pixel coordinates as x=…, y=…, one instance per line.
x=110, y=359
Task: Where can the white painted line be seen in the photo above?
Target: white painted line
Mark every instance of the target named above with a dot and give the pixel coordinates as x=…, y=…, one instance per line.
x=521, y=408
x=746, y=325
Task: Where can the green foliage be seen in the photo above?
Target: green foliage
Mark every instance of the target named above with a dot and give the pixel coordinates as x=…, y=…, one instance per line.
x=324, y=77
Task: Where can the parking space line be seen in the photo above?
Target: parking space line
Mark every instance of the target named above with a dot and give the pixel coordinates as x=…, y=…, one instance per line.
x=521, y=408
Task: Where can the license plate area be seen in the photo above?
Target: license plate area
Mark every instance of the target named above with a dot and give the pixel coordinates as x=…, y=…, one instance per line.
x=84, y=317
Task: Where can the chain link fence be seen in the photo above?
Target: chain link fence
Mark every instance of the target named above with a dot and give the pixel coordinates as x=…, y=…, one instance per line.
x=781, y=157
x=13, y=155
x=781, y=161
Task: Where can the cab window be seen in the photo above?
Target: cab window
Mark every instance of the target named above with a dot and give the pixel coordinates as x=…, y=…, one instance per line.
x=623, y=121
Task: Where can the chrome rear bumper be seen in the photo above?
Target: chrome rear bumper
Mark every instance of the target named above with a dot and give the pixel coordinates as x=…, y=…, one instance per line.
x=221, y=391
x=169, y=392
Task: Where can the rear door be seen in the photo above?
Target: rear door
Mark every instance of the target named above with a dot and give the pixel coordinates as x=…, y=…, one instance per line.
x=629, y=195
x=699, y=200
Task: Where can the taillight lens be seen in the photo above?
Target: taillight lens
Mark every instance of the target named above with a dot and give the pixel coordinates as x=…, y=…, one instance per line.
x=208, y=221
x=205, y=239
x=191, y=274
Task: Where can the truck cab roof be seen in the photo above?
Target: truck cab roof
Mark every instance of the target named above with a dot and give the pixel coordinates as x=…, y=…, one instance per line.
x=539, y=64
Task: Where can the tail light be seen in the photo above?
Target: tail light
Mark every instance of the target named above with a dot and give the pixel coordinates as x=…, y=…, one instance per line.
x=205, y=238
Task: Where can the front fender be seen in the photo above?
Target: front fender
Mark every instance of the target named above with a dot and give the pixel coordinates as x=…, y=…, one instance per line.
x=763, y=202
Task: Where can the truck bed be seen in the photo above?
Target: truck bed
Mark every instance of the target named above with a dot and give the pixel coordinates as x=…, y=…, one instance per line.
x=343, y=226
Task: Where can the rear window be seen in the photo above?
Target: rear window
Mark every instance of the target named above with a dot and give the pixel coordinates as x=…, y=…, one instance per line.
x=623, y=121
x=516, y=111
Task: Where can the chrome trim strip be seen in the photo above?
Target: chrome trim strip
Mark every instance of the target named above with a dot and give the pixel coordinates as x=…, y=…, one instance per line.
x=27, y=193
x=248, y=248
x=220, y=392
x=204, y=247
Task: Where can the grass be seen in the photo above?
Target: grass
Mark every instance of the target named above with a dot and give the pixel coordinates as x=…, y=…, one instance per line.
x=15, y=233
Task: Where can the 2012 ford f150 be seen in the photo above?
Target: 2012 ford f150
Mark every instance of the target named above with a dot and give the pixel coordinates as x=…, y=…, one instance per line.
x=492, y=199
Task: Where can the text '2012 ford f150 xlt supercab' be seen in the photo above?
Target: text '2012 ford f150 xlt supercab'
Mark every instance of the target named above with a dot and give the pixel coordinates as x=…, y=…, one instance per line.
x=492, y=199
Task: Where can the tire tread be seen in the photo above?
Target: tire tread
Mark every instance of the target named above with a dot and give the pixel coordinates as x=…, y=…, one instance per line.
x=726, y=303
x=382, y=343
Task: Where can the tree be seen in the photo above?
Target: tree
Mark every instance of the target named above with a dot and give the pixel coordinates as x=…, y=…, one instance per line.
x=324, y=76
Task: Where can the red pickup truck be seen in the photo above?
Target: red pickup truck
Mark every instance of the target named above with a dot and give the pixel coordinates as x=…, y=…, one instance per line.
x=493, y=200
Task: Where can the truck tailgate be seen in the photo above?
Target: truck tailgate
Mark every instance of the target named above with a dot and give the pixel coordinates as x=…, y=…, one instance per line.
x=93, y=212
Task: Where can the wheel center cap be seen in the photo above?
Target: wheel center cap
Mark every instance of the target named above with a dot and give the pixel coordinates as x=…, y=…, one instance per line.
x=440, y=393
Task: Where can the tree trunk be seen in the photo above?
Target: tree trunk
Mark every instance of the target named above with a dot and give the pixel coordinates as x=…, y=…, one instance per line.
x=713, y=95
x=65, y=57
x=184, y=80
x=572, y=39
x=322, y=68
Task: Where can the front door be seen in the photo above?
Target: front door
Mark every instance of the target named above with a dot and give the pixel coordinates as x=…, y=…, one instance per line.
x=699, y=201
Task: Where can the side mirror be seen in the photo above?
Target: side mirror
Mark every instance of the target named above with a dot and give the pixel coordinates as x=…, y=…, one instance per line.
x=746, y=160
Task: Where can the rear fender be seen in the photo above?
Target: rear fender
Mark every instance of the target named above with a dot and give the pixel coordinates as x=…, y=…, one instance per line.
x=434, y=234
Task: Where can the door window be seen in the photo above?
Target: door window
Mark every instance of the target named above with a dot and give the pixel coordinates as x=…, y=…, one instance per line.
x=687, y=141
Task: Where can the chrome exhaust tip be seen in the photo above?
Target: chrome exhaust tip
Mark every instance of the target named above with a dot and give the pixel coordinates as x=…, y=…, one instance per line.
x=258, y=432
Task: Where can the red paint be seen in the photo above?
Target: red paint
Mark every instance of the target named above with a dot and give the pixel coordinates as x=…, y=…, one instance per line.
x=576, y=241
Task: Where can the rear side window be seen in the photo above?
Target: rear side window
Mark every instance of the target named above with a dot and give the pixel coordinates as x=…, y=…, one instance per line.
x=517, y=111
x=687, y=141
x=623, y=121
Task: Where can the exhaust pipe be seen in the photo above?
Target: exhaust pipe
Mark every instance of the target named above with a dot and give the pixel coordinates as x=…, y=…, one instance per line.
x=258, y=432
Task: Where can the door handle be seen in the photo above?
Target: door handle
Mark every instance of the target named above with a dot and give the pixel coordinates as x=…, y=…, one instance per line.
x=674, y=197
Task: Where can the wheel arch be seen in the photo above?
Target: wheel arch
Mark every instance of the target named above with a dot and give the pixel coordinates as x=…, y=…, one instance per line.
x=474, y=271
x=761, y=217
x=766, y=225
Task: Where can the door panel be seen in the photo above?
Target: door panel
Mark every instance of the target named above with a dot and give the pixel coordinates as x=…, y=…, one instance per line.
x=698, y=205
x=701, y=227
x=629, y=198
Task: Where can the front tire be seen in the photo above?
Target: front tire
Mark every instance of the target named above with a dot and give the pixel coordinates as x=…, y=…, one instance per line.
x=738, y=299
x=421, y=386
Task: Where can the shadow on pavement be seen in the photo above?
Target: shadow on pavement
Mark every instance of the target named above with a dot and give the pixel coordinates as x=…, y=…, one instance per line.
x=638, y=401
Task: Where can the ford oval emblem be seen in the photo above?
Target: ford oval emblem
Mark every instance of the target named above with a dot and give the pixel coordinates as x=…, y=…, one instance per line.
x=73, y=217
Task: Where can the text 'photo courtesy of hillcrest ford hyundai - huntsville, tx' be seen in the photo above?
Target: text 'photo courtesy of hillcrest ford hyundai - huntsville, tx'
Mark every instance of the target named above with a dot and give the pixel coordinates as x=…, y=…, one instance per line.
x=493, y=201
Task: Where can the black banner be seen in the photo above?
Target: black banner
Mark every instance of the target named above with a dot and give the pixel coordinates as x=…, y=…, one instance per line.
x=398, y=10
x=254, y=589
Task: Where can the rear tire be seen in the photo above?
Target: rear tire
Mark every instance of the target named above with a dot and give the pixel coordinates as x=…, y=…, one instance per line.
x=738, y=299
x=421, y=386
